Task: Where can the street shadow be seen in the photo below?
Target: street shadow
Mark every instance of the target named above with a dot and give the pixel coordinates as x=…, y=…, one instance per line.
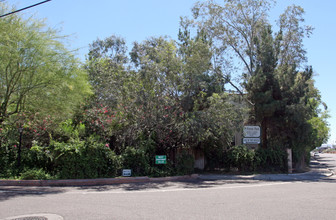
x=185, y=184
x=125, y=186
x=209, y=183
x=10, y=192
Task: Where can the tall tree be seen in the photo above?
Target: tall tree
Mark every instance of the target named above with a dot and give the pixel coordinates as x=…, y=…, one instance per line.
x=37, y=73
x=234, y=26
x=107, y=68
x=262, y=87
x=167, y=94
x=270, y=68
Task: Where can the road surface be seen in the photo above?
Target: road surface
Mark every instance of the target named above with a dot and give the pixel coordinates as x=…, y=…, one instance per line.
x=201, y=199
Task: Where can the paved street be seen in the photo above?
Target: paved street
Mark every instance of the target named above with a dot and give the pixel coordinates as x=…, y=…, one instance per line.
x=201, y=199
x=327, y=160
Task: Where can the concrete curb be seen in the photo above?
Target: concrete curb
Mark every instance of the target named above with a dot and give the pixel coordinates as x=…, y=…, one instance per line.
x=94, y=182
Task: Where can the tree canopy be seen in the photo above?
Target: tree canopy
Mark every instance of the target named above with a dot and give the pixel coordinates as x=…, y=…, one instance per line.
x=229, y=67
x=268, y=68
x=38, y=74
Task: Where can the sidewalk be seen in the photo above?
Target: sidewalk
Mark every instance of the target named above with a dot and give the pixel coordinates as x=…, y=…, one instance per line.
x=317, y=171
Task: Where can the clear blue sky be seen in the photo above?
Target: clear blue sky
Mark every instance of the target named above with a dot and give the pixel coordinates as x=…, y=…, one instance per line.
x=137, y=20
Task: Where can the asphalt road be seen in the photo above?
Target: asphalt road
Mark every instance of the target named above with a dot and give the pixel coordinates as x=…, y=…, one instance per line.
x=328, y=161
x=201, y=199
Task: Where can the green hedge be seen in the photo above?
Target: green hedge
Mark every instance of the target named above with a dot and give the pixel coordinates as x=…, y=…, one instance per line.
x=84, y=160
x=136, y=160
x=242, y=158
x=249, y=160
x=271, y=160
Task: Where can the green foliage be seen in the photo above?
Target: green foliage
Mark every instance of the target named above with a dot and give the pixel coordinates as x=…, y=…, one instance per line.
x=166, y=95
x=163, y=170
x=37, y=73
x=35, y=174
x=249, y=160
x=321, y=131
x=271, y=160
x=185, y=163
x=136, y=160
x=69, y=131
x=169, y=95
x=89, y=159
x=242, y=158
x=37, y=157
x=8, y=155
x=281, y=94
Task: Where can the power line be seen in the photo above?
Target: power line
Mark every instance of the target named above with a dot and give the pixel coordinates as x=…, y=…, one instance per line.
x=24, y=8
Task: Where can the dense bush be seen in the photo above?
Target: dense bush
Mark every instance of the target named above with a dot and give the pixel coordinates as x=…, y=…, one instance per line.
x=249, y=160
x=35, y=174
x=185, y=163
x=136, y=160
x=36, y=157
x=271, y=160
x=84, y=160
x=241, y=157
x=8, y=158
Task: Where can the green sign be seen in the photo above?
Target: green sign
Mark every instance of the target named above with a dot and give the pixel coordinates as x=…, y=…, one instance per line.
x=160, y=159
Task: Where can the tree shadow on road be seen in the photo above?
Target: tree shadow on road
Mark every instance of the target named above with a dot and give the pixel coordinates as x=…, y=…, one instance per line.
x=167, y=185
x=125, y=186
x=10, y=192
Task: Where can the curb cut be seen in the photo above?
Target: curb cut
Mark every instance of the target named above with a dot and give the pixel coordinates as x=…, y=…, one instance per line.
x=94, y=182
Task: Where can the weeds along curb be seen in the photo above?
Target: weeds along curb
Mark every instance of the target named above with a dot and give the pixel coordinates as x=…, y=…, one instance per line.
x=94, y=182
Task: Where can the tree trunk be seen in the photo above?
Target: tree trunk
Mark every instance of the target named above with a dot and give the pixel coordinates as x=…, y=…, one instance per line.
x=264, y=134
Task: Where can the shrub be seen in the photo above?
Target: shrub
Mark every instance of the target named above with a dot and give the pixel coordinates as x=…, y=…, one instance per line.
x=136, y=160
x=35, y=174
x=162, y=170
x=271, y=160
x=217, y=158
x=241, y=157
x=84, y=159
x=36, y=157
x=185, y=164
x=8, y=158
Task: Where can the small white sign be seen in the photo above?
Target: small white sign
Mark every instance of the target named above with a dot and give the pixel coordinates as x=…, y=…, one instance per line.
x=251, y=140
x=251, y=131
x=126, y=172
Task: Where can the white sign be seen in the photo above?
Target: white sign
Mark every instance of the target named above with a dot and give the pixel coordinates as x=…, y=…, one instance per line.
x=251, y=140
x=126, y=172
x=251, y=131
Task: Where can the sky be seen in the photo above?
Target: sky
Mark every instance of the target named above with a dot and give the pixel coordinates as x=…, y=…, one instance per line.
x=137, y=20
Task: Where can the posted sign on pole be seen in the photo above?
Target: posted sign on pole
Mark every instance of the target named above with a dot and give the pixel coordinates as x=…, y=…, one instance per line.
x=251, y=135
x=160, y=159
x=251, y=140
x=251, y=131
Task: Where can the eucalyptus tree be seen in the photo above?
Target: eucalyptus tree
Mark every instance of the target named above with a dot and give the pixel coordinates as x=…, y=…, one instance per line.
x=270, y=68
x=233, y=26
x=107, y=67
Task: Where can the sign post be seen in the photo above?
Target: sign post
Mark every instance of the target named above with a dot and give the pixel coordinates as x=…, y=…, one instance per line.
x=160, y=159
